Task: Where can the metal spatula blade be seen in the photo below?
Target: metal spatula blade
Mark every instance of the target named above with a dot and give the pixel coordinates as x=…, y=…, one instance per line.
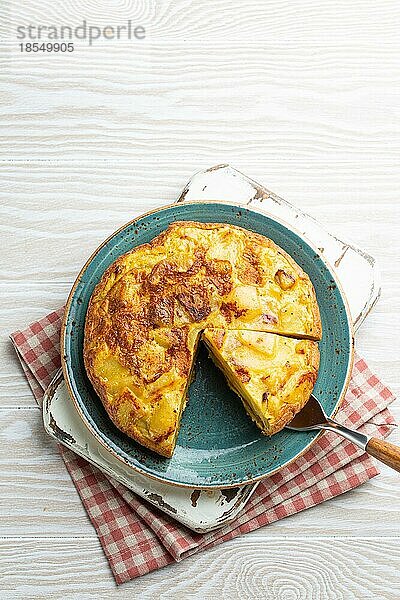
x=312, y=416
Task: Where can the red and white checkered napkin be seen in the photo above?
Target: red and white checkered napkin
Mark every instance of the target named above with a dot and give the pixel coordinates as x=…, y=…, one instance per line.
x=138, y=538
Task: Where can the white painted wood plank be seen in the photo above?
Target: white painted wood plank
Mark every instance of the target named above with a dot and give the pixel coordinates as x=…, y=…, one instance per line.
x=302, y=96
x=316, y=21
x=91, y=211
x=286, y=567
x=219, y=101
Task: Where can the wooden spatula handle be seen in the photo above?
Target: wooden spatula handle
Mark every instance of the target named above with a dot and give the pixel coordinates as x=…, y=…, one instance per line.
x=385, y=452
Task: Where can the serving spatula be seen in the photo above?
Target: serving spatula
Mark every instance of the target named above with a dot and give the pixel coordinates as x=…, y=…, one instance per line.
x=312, y=416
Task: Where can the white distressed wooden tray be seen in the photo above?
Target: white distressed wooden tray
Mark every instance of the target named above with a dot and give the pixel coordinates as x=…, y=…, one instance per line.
x=205, y=510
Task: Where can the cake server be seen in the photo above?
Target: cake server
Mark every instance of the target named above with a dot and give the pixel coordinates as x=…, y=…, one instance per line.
x=312, y=416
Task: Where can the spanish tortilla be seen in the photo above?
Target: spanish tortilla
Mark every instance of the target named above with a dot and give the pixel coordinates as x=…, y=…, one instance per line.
x=148, y=311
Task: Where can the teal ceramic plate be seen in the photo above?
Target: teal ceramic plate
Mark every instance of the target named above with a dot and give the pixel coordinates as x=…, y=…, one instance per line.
x=218, y=445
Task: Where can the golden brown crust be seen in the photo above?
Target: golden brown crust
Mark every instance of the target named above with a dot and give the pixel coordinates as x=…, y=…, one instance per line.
x=205, y=283
x=166, y=450
x=149, y=308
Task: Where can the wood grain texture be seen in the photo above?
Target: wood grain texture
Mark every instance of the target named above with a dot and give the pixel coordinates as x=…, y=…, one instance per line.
x=302, y=96
x=278, y=569
x=186, y=20
x=291, y=100
x=386, y=452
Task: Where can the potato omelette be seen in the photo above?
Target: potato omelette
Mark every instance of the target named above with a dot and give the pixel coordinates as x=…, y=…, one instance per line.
x=254, y=307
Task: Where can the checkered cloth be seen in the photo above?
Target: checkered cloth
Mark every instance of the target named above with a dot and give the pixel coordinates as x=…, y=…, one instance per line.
x=138, y=538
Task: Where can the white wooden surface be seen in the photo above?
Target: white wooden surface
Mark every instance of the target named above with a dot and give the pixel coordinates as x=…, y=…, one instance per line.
x=302, y=96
